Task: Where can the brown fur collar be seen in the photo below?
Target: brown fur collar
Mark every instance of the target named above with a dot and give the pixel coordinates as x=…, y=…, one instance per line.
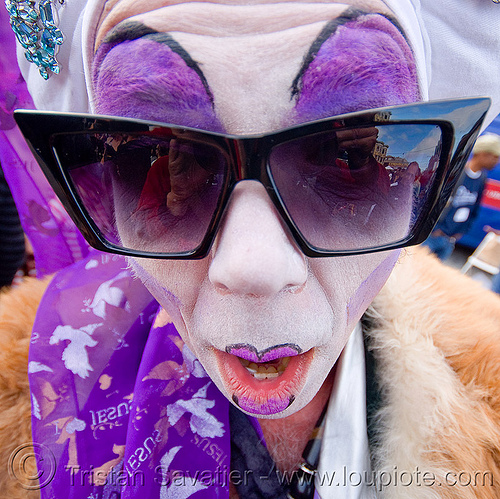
x=435, y=335
x=17, y=313
x=436, y=340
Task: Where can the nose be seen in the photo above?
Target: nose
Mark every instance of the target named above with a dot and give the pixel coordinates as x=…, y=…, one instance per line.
x=253, y=254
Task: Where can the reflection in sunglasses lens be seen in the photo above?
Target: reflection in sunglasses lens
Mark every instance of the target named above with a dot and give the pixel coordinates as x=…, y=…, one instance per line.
x=145, y=192
x=357, y=188
x=345, y=189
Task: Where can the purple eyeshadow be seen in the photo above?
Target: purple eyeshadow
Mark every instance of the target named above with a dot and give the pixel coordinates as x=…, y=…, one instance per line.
x=366, y=63
x=145, y=79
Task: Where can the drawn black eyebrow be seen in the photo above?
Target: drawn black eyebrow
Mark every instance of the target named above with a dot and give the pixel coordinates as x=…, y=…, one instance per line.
x=132, y=30
x=331, y=27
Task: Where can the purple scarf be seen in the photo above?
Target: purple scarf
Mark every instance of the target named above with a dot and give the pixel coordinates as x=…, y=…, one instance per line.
x=42, y=216
x=119, y=402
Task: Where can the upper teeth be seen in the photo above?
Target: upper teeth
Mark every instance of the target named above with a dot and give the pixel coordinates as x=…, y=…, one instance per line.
x=266, y=371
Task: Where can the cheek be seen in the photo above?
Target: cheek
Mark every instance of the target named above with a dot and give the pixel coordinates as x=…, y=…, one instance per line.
x=369, y=288
x=350, y=285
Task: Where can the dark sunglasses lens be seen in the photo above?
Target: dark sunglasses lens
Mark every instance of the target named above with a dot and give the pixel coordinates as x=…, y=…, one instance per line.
x=146, y=192
x=357, y=188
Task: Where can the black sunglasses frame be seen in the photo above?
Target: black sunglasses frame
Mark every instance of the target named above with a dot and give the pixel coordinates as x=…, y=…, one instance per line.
x=247, y=156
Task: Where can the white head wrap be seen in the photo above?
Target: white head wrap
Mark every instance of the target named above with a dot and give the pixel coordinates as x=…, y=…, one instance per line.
x=69, y=90
x=465, y=47
x=456, y=46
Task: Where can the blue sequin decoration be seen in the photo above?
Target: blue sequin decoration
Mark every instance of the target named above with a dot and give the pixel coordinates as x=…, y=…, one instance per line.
x=35, y=29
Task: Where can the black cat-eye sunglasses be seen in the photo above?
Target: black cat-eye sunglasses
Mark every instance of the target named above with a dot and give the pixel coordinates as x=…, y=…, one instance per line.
x=358, y=183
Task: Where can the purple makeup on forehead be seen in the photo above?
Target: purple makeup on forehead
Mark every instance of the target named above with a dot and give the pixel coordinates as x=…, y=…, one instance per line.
x=143, y=74
x=360, y=61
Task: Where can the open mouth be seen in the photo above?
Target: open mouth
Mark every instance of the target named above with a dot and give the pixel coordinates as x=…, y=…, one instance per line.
x=264, y=387
x=266, y=370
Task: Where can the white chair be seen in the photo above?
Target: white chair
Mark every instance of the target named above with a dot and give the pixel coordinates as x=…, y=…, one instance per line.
x=486, y=256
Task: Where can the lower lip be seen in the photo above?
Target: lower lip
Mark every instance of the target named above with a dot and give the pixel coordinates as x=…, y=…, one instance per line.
x=263, y=397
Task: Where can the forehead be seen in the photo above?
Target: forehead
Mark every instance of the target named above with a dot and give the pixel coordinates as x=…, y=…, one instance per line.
x=228, y=17
x=252, y=67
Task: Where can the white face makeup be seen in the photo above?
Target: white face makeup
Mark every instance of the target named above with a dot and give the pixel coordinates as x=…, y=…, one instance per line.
x=266, y=322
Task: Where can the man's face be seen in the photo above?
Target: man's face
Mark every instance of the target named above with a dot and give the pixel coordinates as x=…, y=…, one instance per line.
x=266, y=322
x=487, y=160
